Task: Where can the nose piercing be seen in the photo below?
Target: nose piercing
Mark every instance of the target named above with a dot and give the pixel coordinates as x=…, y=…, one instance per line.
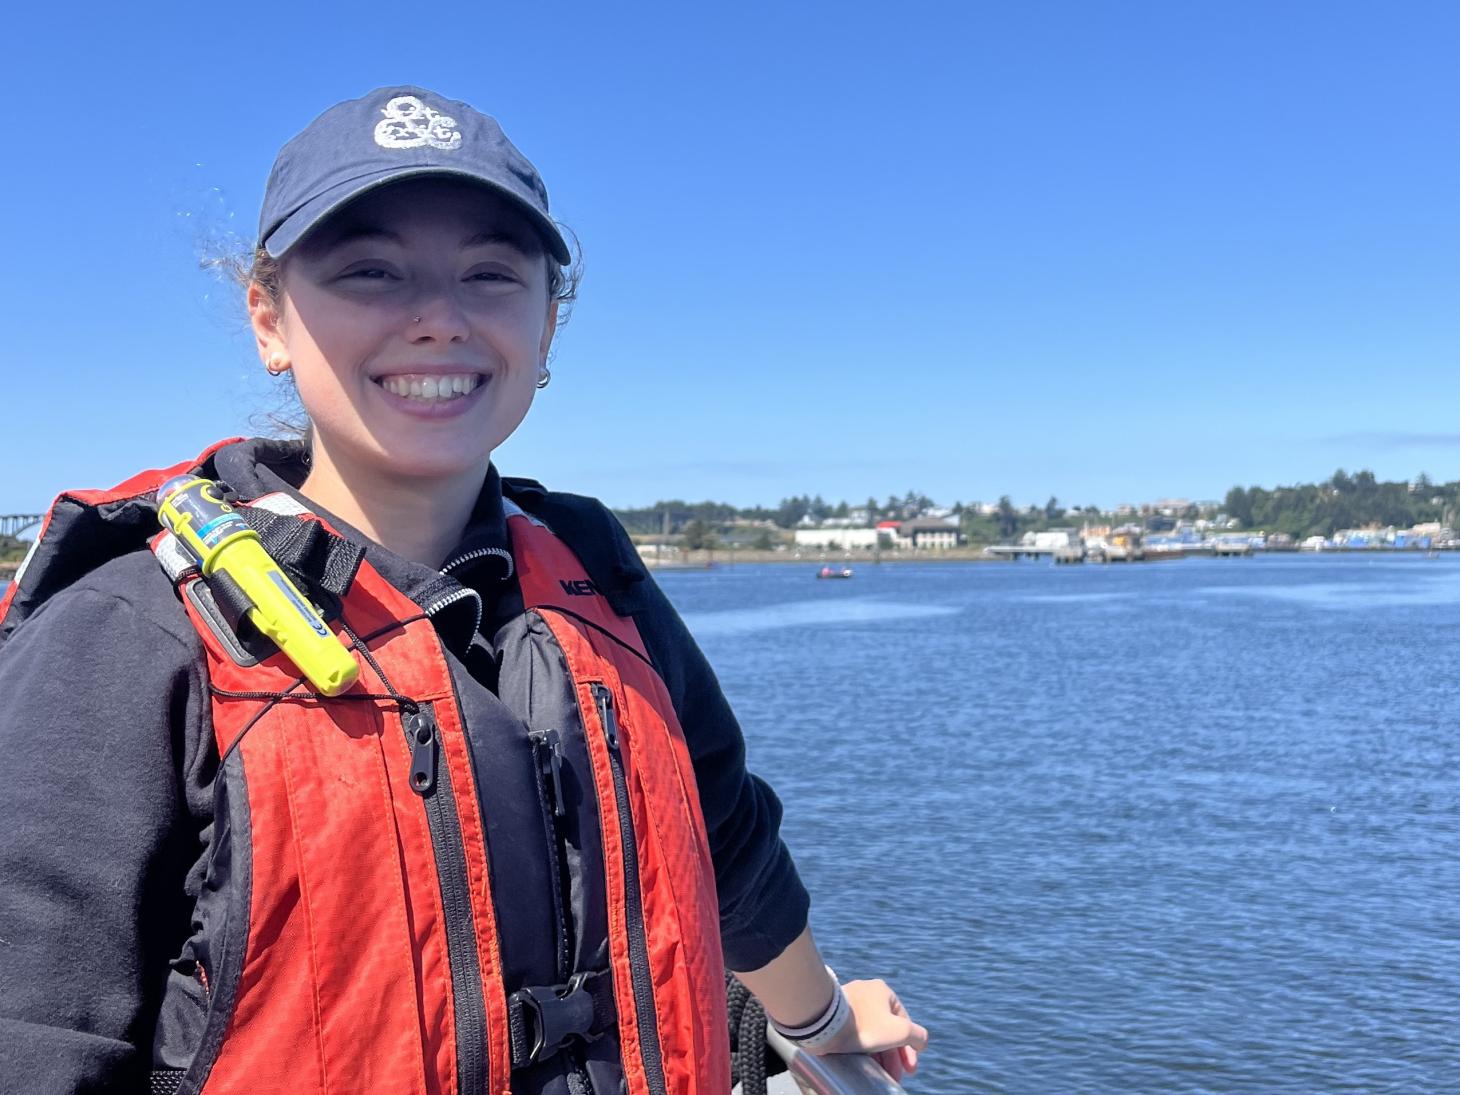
x=418, y=319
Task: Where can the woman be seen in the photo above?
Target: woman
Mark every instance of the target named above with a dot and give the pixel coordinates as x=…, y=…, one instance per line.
x=513, y=853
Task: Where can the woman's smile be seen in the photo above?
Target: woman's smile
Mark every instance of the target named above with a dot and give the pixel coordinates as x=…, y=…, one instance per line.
x=433, y=393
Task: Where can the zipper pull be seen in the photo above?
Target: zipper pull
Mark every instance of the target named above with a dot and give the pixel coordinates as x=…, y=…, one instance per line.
x=603, y=699
x=422, y=730
x=548, y=745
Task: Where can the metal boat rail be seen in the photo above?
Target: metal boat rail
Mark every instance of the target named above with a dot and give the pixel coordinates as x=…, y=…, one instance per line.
x=835, y=1074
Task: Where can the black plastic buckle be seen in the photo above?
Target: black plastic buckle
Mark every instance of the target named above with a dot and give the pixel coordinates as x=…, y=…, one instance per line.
x=556, y=1013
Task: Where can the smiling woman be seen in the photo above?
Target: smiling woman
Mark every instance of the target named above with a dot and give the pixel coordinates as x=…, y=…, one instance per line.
x=519, y=852
x=417, y=324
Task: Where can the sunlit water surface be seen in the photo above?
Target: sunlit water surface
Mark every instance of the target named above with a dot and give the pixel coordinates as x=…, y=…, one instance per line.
x=1184, y=826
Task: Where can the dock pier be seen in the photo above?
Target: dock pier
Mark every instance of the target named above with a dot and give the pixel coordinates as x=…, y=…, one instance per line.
x=1014, y=552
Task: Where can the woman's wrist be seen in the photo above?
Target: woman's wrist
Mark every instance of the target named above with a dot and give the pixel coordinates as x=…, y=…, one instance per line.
x=824, y=1028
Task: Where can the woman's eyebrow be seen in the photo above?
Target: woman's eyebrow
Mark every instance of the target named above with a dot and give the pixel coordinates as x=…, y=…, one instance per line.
x=495, y=235
x=356, y=234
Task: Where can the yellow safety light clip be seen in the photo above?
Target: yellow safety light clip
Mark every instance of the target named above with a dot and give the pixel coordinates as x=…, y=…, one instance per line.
x=218, y=539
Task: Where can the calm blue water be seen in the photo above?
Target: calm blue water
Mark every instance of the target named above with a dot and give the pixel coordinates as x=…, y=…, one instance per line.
x=1189, y=826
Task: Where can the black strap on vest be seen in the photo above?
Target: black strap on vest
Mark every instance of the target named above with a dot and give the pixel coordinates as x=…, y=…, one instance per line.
x=541, y=1019
x=308, y=552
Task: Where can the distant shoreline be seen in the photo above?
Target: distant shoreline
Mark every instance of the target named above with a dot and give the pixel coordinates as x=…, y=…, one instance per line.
x=721, y=557
x=706, y=560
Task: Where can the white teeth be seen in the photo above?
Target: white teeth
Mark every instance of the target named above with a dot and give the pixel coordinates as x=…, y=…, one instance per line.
x=425, y=388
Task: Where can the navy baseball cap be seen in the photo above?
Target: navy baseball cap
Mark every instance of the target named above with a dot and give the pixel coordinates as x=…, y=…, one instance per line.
x=390, y=134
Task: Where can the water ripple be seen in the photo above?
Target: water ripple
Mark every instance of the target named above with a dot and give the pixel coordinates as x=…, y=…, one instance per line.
x=742, y=621
x=1167, y=829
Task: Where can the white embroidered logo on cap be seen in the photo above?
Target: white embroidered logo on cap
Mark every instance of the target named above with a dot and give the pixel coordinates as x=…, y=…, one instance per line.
x=410, y=123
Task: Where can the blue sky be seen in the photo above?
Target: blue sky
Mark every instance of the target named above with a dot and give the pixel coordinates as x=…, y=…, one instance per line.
x=1110, y=251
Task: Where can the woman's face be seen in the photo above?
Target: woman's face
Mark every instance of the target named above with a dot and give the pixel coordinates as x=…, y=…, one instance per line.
x=415, y=322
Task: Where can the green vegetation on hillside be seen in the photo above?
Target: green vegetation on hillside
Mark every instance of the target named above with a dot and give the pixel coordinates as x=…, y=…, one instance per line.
x=1308, y=509
x=12, y=550
x=1343, y=501
x=647, y=520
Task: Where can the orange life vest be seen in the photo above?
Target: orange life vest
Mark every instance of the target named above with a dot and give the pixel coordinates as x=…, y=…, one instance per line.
x=370, y=960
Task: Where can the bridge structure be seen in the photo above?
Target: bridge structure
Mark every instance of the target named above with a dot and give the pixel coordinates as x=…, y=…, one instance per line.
x=13, y=524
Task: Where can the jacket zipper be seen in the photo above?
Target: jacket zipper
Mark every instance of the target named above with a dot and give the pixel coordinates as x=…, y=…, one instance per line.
x=547, y=755
x=458, y=595
x=467, y=591
x=432, y=781
x=633, y=900
x=500, y=553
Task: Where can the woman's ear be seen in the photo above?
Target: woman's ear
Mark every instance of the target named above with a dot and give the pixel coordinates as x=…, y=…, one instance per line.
x=268, y=333
x=548, y=330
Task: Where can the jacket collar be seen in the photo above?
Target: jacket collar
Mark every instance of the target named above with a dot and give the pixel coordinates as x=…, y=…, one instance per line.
x=454, y=600
x=595, y=537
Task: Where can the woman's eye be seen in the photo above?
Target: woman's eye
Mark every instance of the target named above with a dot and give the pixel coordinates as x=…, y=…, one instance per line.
x=492, y=276
x=368, y=273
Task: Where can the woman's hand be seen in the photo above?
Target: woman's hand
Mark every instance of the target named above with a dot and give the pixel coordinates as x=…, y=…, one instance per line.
x=796, y=988
x=880, y=1026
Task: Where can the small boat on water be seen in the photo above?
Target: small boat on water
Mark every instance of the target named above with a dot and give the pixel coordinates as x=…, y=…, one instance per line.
x=834, y=572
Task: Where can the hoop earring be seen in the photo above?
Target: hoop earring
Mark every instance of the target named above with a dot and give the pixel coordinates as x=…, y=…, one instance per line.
x=544, y=376
x=277, y=364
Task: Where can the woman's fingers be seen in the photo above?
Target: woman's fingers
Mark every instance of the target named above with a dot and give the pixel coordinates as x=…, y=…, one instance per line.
x=891, y=1062
x=917, y=1036
x=882, y=1026
x=909, y=1058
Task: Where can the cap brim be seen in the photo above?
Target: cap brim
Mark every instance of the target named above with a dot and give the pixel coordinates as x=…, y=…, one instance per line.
x=297, y=224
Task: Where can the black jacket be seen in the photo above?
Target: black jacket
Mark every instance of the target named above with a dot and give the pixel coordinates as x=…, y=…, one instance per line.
x=107, y=763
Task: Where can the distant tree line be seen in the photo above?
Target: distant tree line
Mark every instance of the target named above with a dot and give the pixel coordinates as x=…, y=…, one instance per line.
x=1342, y=501
x=1309, y=509
x=679, y=515
x=12, y=550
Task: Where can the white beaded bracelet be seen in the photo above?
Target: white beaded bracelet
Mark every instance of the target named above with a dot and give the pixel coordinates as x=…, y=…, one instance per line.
x=825, y=1027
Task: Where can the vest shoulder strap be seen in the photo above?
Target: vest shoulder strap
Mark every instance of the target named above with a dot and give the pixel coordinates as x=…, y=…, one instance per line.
x=592, y=534
x=84, y=529
x=551, y=575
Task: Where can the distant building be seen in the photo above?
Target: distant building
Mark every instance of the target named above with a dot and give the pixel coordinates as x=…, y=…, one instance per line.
x=1169, y=507
x=838, y=539
x=1052, y=538
x=1353, y=538
x=928, y=533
